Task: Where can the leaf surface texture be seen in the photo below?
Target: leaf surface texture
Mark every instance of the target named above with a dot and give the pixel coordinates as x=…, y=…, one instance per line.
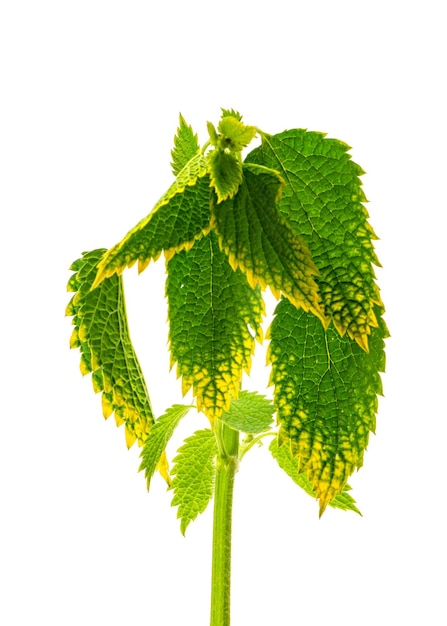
x=186, y=146
x=181, y=216
x=259, y=241
x=323, y=200
x=250, y=413
x=290, y=464
x=194, y=471
x=102, y=335
x=159, y=437
x=326, y=390
x=214, y=318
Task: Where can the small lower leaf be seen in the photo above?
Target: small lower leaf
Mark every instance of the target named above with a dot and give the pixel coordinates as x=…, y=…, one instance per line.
x=161, y=432
x=194, y=471
x=251, y=413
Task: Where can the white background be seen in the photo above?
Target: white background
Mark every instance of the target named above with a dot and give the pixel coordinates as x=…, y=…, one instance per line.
x=91, y=93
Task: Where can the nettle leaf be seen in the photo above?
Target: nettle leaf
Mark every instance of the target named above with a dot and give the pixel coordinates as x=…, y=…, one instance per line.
x=186, y=146
x=194, y=471
x=231, y=113
x=102, y=335
x=235, y=135
x=259, y=241
x=251, y=413
x=159, y=437
x=177, y=220
x=214, y=317
x=290, y=464
x=225, y=162
x=326, y=389
x=225, y=171
x=323, y=199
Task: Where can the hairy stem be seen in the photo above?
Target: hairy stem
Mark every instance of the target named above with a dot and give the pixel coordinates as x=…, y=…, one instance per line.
x=226, y=468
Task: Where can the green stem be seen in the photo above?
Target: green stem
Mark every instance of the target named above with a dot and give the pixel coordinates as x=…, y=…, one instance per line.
x=250, y=442
x=226, y=467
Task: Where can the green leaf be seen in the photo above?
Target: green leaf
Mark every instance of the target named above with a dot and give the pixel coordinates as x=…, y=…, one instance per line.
x=251, y=413
x=235, y=134
x=344, y=501
x=186, y=146
x=177, y=220
x=214, y=317
x=259, y=241
x=194, y=471
x=225, y=162
x=290, y=464
x=214, y=137
x=323, y=200
x=326, y=390
x=231, y=113
x=101, y=333
x=225, y=171
x=159, y=437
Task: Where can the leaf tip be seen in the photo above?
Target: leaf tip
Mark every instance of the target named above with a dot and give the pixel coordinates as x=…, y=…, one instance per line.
x=143, y=264
x=163, y=468
x=130, y=437
x=322, y=507
x=183, y=526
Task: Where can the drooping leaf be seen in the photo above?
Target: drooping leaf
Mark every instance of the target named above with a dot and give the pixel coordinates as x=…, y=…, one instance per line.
x=101, y=333
x=326, y=390
x=323, y=199
x=214, y=318
x=194, y=471
x=159, y=437
x=177, y=220
x=259, y=241
x=290, y=464
x=186, y=146
x=251, y=413
x=225, y=171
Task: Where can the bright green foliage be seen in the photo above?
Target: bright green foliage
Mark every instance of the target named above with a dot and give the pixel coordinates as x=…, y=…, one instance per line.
x=102, y=335
x=180, y=217
x=193, y=472
x=251, y=413
x=326, y=391
x=289, y=217
x=323, y=201
x=290, y=464
x=234, y=135
x=186, y=146
x=161, y=433
x=261, y=243
x=215, y=317
x=225, y=161
x=225, y=172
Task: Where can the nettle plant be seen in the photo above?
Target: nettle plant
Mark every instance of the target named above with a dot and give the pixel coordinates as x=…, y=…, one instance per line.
x=290, y=216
